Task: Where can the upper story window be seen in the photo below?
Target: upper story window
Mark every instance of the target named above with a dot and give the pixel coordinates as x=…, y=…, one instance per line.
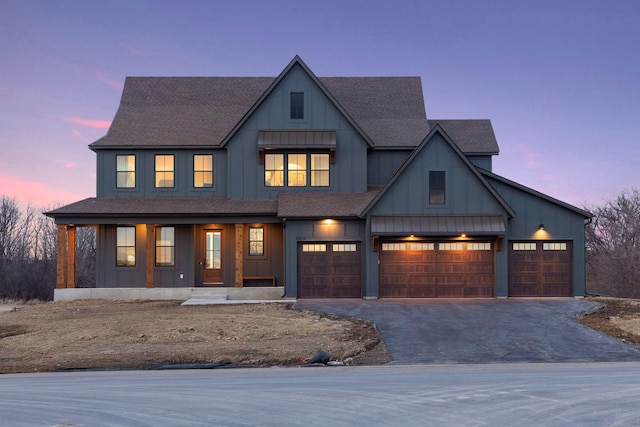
x=319, y=170
x=165, y=171
x=296, y=170
x=437, y=187
x=274, y=170
x=165, y=246
x=296, y=173
x=125, y=246
x=203, y=170
x=296, y=105
x=126, y=171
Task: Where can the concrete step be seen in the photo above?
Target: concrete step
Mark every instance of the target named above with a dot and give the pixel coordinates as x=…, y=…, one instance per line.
x=209, y=293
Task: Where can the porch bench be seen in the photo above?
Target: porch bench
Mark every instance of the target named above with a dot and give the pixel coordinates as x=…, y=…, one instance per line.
x=272, y=278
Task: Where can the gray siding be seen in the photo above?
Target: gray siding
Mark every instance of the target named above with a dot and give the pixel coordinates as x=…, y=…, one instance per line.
x=484, y=162
x=108, y=275
x=465, y=193
x=559, y=222
x=145, y=176
x=381, y=164
x=246, y=175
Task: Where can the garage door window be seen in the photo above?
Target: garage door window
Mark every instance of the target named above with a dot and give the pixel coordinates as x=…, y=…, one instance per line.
x=417, y=246
x=314, y=247
x=344, y=247
x=478, y=246
x=450, y=246
x=554, y=246
x=524, y=246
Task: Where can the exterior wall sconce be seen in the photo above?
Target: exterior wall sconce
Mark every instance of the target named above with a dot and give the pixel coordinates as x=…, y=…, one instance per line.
x=541, y=227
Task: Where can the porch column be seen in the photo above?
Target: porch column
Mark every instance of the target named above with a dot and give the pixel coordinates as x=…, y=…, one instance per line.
x=61, y=257
x=150, y=256
x=239, y=255
x=71, y=256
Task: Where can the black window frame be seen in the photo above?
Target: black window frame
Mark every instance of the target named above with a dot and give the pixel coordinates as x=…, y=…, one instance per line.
x=296, y=106
x=437, y=187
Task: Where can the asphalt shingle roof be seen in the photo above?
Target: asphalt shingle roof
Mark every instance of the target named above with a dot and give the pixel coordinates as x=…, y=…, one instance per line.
x=202, y=111
x=471, y=136
x=172, y=206
x=314, y=204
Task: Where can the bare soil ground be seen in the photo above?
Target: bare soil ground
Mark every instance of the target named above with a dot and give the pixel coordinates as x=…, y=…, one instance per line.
x=617, y=317
x=144, y=334
x=147, y=334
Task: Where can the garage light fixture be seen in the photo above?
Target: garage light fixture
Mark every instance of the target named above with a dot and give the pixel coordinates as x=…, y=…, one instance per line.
x=541, y=227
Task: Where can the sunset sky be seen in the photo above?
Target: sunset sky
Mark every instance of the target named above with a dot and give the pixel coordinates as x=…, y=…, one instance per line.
x=560, y=80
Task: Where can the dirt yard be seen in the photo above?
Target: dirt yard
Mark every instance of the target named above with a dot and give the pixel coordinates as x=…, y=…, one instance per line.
x=147, y=334
x=617, y=317
x=150, y=334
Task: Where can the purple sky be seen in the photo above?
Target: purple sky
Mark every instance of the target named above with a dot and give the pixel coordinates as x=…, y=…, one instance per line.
x=560, y=80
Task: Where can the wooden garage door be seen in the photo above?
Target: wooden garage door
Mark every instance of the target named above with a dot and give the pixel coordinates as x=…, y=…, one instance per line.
x=329, y=270
x=436, y=270
x=540, y=269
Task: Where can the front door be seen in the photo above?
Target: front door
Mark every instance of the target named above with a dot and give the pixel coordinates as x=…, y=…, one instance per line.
x=212, y=257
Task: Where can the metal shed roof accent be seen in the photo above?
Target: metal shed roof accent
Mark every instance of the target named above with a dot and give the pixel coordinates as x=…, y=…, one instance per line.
x=437, y=225
x=296, y=139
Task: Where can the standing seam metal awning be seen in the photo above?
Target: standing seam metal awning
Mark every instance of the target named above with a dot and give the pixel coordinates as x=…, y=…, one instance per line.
x=302, y=139
x=437, y=225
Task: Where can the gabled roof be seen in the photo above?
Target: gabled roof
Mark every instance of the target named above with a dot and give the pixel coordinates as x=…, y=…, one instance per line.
x=472, y=136
x=535, y=193
x=438, y=130
x=195, y=112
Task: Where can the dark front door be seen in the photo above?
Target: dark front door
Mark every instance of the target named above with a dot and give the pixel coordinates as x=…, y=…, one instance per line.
x=212, y=257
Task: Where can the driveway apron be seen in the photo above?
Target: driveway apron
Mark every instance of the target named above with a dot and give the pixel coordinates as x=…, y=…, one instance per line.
x=482, y=331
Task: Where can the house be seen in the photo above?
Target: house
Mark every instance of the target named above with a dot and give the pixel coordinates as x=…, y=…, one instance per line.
x=337, y=187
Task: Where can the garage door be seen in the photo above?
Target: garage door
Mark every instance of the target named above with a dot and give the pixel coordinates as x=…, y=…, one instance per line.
x=329, y=270
x=540, y=269
x=436, y=270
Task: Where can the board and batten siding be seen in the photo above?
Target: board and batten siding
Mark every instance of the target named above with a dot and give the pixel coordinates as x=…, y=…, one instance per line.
x=246, y=174
x=145, y=174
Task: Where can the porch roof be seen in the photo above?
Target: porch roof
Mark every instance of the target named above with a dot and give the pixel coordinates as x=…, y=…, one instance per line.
x=429, y=225
x=315, y=204
x=169, y=206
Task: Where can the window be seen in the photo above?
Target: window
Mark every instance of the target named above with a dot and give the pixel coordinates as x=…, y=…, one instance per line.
x=125, y=246
x=274, y=170
x=296, y=173
x=314, y=247
x=296, y=103
x=126, y=171
x=165, y=246
x=164, y=171
x=478, y=246
x=554, y=246
x=319, y=170
x=203, y=171
x=256, y=241
x=436, y=187
x=394, y=247
x=421, y=246
x=524, y=246
x=450, y=246
x=297, y=170
x=344, y=247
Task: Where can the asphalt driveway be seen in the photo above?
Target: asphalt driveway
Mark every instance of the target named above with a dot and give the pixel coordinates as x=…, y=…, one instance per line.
x=482, y=331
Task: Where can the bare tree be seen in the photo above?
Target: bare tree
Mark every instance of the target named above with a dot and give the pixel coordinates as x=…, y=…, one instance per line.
x=613, y=247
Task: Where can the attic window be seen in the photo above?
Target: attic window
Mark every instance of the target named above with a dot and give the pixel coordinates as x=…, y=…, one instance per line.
x=437, y=188
x=296, y=103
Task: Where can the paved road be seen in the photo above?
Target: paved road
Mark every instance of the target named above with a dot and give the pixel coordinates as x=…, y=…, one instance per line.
x=408, y=395
x=483, y=331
